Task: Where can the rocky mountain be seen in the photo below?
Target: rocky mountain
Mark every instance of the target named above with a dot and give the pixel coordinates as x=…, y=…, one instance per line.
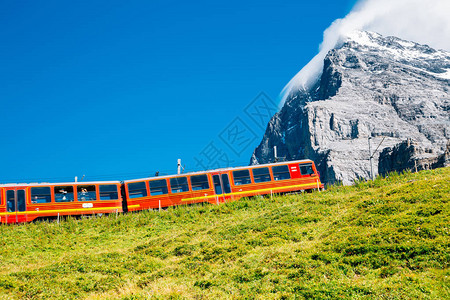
x=397, y=92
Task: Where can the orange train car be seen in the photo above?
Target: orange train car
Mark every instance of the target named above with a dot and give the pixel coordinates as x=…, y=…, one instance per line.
x=27, y=202
x=221, y=185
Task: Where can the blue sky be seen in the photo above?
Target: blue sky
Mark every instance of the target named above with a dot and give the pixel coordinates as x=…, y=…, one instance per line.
x=122, y=89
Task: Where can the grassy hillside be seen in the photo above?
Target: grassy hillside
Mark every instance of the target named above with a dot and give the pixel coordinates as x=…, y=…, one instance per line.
x=387, y=239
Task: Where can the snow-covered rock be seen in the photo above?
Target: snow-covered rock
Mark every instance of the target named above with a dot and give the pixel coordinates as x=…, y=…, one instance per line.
x=371, y=86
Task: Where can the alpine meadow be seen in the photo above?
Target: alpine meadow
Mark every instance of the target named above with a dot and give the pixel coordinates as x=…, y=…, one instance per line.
x=382, y=239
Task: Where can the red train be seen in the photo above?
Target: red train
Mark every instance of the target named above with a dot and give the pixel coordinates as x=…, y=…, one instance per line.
x=27, y=202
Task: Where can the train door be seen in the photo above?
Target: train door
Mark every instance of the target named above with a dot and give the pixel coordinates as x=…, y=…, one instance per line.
x=221, y=184
x=15, y=203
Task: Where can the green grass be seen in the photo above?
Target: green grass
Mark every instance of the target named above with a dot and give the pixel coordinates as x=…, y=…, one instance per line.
x=386, y=239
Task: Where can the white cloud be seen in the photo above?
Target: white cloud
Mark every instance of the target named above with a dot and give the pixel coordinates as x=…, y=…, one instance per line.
x=422, y=21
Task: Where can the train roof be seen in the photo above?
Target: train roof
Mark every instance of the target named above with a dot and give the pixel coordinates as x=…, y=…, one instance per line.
x=220, y=170
x=58, y=183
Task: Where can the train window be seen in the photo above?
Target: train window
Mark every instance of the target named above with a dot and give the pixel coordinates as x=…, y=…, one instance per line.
x=261, y=175
x=86, y=193
x=41, y=195
x=21, y=200
x=306, y=169
x=179, y=185
x=217, y=185
x=226, y=184
x=15, y=201
x=199, y=182
x=241, y=177
x=137, y=189
x=10, y=201
x=63, y=193
x=158, y=187
x=281, y=172
x=108, y=192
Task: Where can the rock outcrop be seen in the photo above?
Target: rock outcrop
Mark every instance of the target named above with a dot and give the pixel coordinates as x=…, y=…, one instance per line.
x=383, y=87
x=409, y=156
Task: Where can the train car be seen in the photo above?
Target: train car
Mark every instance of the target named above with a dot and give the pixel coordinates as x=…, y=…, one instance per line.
x=276, y=178
x=164, y=191
x=27, y=202
x=221, y=185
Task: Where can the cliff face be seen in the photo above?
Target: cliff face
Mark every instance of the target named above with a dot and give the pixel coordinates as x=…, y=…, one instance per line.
x=383, y=87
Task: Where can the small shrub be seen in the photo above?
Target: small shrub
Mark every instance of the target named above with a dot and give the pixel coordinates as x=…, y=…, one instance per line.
x=183, y=250
x=203, y=284
x=387, y=271
x=7, y=283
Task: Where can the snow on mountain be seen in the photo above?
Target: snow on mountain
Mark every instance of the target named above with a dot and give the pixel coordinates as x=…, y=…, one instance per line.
x=383, y=87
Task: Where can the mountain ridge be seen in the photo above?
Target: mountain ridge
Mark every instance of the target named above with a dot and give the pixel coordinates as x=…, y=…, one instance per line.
x=383, y=87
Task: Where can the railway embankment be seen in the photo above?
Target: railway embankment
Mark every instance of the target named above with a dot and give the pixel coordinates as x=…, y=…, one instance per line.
x=383, y=239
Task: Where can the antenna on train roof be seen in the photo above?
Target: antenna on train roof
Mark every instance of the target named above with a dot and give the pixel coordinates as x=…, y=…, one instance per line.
x=179, y=166
x=76, y=178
